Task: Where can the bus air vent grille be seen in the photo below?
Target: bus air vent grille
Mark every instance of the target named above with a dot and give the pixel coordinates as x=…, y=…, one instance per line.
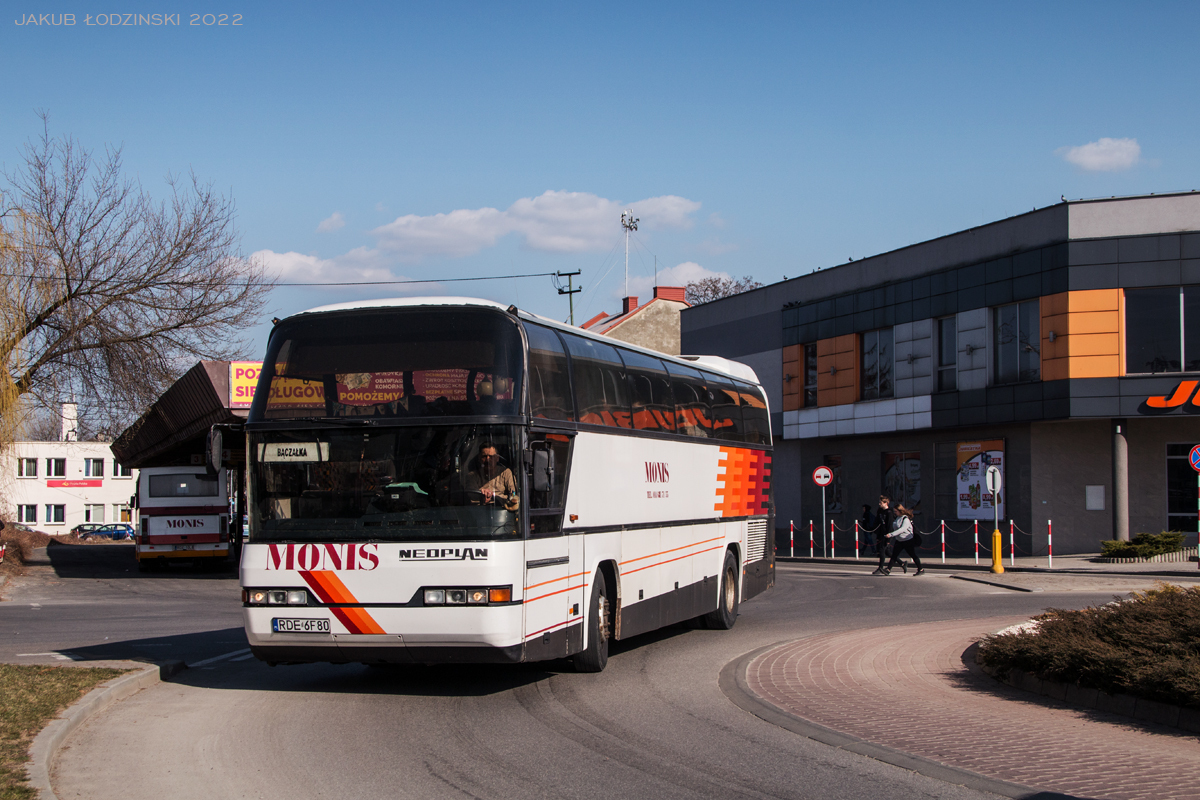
x=756, y=539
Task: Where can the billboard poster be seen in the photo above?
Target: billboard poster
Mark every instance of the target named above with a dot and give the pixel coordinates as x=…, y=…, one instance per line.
x=243, y=378
x=974, y=499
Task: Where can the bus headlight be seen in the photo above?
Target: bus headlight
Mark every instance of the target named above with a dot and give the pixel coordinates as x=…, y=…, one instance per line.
x=257, y=597
x=456, y=597
x=435, y=597
x=275, y=597
x=297, y=597
x=474, y=596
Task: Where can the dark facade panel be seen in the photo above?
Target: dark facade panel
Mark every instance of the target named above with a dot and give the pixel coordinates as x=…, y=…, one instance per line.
x=1189, y=270
x=826, y=310
x=972, y=276
x=997, y=294
x=864, y=321
x=1056, y=409
x=826, y=329
x=1000, y=413
x=1094, y=387
x=738, y=336
x=1131, y=407
x=864, y=301
x=1144, y=387
x=1055, y=257
x=1149, y=273
x=947, y=418
x=1095, y=407
x=997, y=395
x=1055, y=281
x=920, y=308
x=904, y=291
x=973, y=398
x=945, y=281
x=1189, y=245
x=1028, y=412
x=806, y=333
x=1055, y=390
x=1104, y=276
x=1026, y=287
x=843, y=305
x=904, y=313
x=1148, y=248
x=972, y=416
x=971, y=298
x=944, y=401
x=942, y=304
x=920, y=288
x=843, y=325
x=1096, y=251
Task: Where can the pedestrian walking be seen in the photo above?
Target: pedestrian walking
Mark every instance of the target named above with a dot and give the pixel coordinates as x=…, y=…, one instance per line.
x=885, y=520
x=903, y=539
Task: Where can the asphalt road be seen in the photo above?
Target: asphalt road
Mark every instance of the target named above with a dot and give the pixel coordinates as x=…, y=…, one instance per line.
x=653, y=724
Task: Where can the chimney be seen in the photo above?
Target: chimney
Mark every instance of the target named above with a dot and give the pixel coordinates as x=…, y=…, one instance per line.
x=70, y=422
x=675, y=293
x=628, y=304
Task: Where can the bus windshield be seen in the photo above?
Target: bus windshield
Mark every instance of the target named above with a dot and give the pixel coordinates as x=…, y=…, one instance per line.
x=385, y=484
x=392, y=363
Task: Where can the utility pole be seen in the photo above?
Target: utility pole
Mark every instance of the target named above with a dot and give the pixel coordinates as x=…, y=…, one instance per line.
x=570, y=291
x=629, y=224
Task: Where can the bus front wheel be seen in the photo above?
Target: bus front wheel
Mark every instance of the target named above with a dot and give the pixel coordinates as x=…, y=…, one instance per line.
x=727, y=609
x=595, y=655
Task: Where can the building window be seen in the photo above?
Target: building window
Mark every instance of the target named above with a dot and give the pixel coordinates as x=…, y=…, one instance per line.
x=875, y=377
x=27, y=514
x=93, y=467
x=902, y=479
x=26, y=467
x=56, y=468
x=121, y=513
x=55, y=515
x=93, y=512
x=810, y=376
x=947, y=354
x=1162, y=330
x=1018, y=349
x=121, y=471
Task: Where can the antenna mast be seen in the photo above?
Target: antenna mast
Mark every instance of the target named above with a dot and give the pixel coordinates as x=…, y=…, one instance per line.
x=629, y=224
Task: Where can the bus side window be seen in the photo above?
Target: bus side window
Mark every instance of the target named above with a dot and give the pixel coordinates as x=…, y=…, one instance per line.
x=693, y=409
x=548, y=483
x=650, y=392
x=549, y=381
x=726, y=409
x=601, y=392
x=754, y=414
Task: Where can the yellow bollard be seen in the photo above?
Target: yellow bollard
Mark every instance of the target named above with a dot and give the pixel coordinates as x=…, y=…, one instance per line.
x=997, y=556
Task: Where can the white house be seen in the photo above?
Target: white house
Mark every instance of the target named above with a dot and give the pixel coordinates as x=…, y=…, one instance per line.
x=54, y=486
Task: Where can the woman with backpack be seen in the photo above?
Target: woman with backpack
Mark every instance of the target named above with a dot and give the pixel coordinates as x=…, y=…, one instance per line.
x=903, y=539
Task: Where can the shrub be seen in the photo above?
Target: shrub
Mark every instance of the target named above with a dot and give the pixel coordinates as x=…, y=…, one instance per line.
x=1147, y=646
x=1143, y=545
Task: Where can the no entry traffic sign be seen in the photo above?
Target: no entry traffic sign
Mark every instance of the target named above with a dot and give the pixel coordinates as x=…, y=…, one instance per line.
x=1194, y=458
x=822, y=476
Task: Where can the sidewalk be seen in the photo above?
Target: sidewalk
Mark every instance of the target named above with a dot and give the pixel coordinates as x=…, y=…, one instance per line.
x=907, y=690
x=1065, y=564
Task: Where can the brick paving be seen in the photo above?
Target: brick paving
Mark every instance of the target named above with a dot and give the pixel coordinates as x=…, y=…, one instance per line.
x=907, y=688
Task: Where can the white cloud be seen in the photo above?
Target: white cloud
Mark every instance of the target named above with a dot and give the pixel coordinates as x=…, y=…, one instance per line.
x=332, y=223
x=1103, y=155
x=716, y=220
x=556, y=222
x=678, y=275
x=360, y=264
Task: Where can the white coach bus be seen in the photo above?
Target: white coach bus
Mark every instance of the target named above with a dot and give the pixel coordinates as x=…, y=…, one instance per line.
x=447, y=480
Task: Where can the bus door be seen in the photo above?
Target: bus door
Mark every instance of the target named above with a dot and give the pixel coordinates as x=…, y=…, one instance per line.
x=553, y=561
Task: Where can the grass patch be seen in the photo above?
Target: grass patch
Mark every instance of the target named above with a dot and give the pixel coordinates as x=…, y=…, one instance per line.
x=1143, y=545
x=1148, y=646
x=31, y=696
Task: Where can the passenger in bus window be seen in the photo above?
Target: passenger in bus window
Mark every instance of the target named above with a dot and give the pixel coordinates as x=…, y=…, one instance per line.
x=493, y=480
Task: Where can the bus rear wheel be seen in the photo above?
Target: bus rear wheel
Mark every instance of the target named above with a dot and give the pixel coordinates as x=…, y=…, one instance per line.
x=594, y=657
x=727, y=609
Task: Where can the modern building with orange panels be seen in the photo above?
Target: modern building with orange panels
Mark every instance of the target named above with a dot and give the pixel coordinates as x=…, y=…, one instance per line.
x=1061, y=346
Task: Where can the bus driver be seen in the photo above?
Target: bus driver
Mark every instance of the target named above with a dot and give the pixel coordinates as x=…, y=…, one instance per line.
x=496, y=484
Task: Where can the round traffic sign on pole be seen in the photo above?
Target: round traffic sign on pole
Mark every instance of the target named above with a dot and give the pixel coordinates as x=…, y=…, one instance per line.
x=822, y=476
x=1194, y=458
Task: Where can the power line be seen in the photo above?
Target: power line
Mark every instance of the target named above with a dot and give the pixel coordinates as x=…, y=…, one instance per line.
x=337, y=283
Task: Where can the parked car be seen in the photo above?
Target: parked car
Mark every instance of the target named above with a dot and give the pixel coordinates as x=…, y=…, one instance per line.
x=116, y=531
x=85, y=527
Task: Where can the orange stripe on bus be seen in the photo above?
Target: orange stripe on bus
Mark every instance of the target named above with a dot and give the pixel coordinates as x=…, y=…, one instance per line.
x=669, y=560
x=672, y=550
x=551, y=594
x=553, y=580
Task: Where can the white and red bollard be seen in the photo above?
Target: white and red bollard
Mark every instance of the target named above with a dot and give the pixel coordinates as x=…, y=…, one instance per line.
x=976, y=541
x=792, y=537
x=943, y=541
x=855, y=540
x=832, y=554
x=1050, y=544
x=812, y=544
x=1012, y=553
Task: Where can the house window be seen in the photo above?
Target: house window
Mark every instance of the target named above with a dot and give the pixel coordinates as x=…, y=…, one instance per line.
x=875, y=376
x=947, y=354
x=93, y=513
x=1162, y=330
x=121, y=471
x=1018, y=349
x=56, y=468
x=55, y=515
x=27, y=514
x=810, y=376
x=121, y=513
x=1181, y=489
x=26, y=467
x=93, y=467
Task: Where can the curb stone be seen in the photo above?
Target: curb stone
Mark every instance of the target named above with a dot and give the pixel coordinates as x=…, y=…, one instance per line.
x=1125, y=705
x=45, y=745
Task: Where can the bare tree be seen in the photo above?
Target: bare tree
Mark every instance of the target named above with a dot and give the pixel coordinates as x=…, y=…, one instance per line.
x=706, y=290
x=112, y=295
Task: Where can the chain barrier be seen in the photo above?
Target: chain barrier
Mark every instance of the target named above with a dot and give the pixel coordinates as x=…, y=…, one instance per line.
x=863, y=540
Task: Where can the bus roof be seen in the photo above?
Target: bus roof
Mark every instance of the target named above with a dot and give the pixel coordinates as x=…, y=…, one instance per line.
x=734, y=369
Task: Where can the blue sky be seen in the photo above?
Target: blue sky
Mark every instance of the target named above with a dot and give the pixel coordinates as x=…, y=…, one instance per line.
x=752, y=139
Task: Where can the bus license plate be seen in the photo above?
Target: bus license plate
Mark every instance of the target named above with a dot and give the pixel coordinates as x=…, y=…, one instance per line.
x=286, y=625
